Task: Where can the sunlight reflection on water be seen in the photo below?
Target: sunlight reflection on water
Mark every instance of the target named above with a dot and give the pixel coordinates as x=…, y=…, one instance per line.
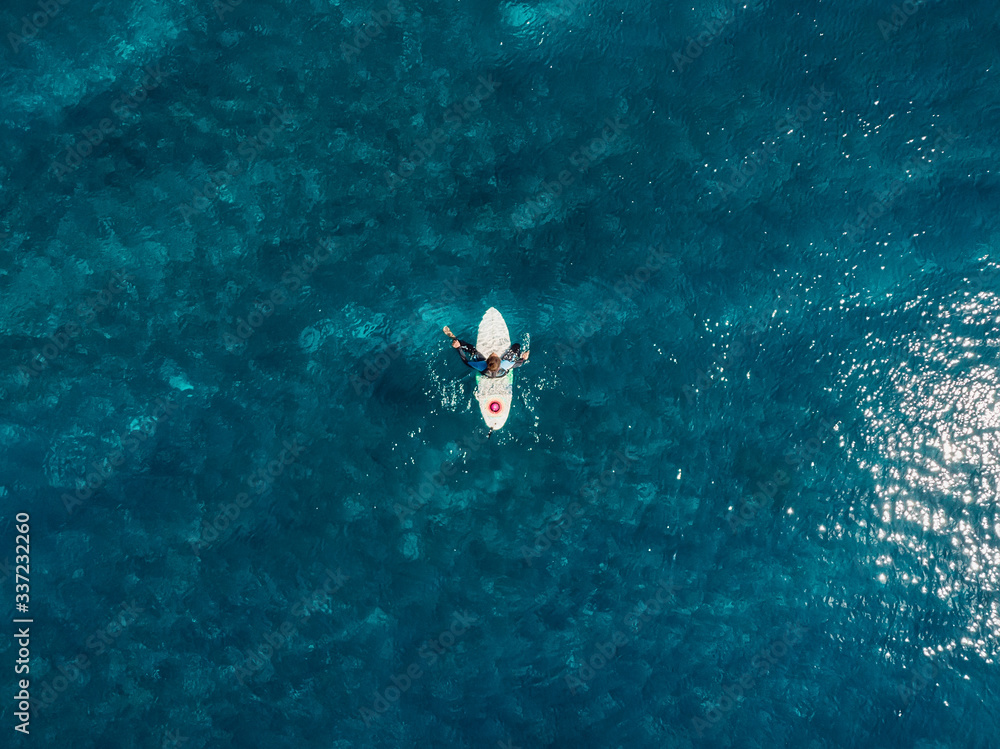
x=932, y=446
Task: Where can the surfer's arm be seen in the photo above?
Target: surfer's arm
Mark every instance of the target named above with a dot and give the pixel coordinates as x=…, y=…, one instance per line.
x=467, y=350
x=470, y=355
x=514, y=357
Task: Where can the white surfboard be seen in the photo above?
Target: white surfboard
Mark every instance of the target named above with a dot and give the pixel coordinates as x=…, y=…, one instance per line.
x=494, y=393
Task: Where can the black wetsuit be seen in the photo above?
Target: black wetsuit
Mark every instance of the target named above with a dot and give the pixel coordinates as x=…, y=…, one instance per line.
x=471, y=356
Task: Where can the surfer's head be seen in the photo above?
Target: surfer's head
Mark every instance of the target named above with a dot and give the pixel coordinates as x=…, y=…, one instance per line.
x=493, y=363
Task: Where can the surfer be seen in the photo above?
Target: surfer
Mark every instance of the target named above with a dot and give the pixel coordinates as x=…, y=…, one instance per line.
x=489, y=366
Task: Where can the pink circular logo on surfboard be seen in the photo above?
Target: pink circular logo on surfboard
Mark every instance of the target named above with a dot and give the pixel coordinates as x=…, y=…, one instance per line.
x=495, y=407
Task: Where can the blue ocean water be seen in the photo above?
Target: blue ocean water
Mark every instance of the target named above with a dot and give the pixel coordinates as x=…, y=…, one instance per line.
x=747, y=492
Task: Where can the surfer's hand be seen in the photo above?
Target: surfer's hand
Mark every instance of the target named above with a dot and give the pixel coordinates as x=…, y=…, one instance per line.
x=455, y=343
x=524, y=356
x=447, y=332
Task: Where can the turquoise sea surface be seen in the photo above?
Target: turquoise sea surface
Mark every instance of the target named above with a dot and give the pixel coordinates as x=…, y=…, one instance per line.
x=747, y=493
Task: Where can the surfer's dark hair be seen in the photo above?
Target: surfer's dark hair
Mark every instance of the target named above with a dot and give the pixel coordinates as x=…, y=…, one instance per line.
x=493, y=362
